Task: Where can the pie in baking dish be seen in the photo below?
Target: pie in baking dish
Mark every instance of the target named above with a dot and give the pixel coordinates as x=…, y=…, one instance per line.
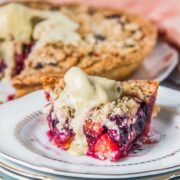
x=98, y=117
x=49, y=39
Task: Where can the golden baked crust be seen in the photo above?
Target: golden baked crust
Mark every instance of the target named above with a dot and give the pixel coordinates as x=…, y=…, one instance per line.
x=30, y=82
x=142, y=89
x=114, y=51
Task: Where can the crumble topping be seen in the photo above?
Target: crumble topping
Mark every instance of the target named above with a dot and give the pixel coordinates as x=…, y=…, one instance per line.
x=100, y=36
x=140, y=89
x=125, y=106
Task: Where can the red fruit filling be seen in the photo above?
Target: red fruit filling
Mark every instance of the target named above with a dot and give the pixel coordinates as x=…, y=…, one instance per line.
x=20, y=58
x=2, y=66
x=104, y=143
x=92, y=131
x=61, y=139
x=114, y=144
x=105, y=148
x=64, y=138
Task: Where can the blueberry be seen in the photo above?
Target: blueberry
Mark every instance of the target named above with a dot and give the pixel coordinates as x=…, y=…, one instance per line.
x=99, y=37
x=38, y=66
x=2, y=65
x=54, y=123
x=52, y=63
x=113, y=16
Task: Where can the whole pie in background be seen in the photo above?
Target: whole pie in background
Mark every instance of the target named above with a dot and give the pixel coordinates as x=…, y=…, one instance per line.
x=48, y=39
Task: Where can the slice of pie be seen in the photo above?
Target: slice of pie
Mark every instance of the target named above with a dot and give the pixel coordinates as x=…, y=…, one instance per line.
x=103, y=42
x=98, y=117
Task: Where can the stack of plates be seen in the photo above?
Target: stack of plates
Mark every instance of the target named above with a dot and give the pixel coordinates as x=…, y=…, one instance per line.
x=26, y=152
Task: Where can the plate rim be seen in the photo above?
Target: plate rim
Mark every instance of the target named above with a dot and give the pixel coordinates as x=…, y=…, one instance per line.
x=87, y=175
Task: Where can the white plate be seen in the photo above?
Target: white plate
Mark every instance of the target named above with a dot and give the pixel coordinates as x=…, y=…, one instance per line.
x=20, y=172
x=24, y=141
x=11, y=174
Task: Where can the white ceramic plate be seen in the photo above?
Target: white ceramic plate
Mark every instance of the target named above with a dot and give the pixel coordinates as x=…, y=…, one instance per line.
x=23, y=140
x=21, y=172
x=11, y=174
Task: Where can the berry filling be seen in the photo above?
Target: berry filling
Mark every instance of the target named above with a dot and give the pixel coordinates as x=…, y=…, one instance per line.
x=2, y=66
x=114, y=144
x=61, y=139
x=20, y=58
x=103, y=142
x=105, y=148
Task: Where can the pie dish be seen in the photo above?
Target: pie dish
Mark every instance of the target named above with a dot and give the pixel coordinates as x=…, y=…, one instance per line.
x=103, y=42
x=101, y=118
